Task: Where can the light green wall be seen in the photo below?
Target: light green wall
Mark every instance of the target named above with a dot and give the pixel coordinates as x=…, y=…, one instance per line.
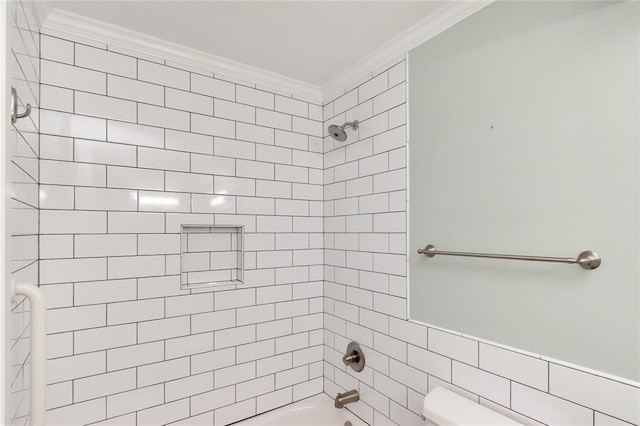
x=524, y=139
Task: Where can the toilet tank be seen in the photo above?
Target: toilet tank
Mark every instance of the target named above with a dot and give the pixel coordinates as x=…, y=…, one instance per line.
x=444, y=408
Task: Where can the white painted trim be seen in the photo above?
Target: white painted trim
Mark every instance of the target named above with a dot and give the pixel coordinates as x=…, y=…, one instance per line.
x=437, y=22
x=78, y=26
x=4, y=118
x=73, y=25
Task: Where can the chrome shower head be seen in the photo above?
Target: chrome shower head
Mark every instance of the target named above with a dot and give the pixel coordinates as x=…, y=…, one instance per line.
x=338, y=132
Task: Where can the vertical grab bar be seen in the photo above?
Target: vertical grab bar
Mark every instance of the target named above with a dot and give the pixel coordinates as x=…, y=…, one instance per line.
x=38, y=356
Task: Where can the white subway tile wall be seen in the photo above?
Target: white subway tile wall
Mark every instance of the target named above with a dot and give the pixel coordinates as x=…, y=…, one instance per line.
x=135, y=149
x=365, y=292
x=22, y=154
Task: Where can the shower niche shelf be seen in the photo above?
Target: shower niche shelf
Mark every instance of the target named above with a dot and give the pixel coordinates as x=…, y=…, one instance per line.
x=211, y=256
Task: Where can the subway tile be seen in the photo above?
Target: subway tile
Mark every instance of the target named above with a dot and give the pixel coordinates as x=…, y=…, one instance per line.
x=547, y=408
x=393, y=97
x=104, y=107
x=56, y=49
x=211, y=165
x=492, y=387
x=56, y=148
x=254, y=169
x=65, y=173
x=273, y=189
x=390, y=181
x=163, y=414
x=62, y=75
x=101, y=60
x=190, y=142
x=273, y=400
x=212, y=400
x=162, y=372
x=72, y=270
x=234, y=336
x=134, y=400
x=127, y=177
x=125, y=222
x=234, y=148
x=163, y=117
x=56, y=98
x=106, y=199
x=188, y=345
x=212, y=87
x=82, y=413
x=273, y=119
x=234, y=111
x=292, y=106
x=186, y=101
x=103, y=385
x=408, y=331
x=235, y=374
x=373, y=87
x=521, y=368
x=86, y=151
x=273, y=154
x=258, y=134
x=56, y=246
x=163, y=159
x=94, y=292
x=72, y=222
x=292, y=342
x=189, y=386
x=132, y=356
x=73, y=367
x=102, y=245
x=254, y=351
x=188, y=182
x=135, y=311
x=255, y=314
x=212, y=126
x=163, y=329
x=392, y=139
x=345, y=102
x=605, y=395
x=259, y=98
x=238, y=411
x=135, y=134
x=163, y=75
x=453, y=346
x=191, y=304
x=307, y=127
x=56, y=197
x=136, y=266
x=291, y=140
x=214, y=360
x=134, y=90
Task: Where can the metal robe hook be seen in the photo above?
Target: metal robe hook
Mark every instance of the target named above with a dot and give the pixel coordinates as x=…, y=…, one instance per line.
x=14, y=107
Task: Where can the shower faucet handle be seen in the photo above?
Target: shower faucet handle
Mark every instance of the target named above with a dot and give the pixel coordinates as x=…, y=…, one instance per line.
x=351, y=358
x=354, y=357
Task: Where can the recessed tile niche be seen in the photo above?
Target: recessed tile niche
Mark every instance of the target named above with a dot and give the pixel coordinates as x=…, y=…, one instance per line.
x=211, y=255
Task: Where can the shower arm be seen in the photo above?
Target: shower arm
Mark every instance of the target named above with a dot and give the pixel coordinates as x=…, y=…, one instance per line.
x=353, y=124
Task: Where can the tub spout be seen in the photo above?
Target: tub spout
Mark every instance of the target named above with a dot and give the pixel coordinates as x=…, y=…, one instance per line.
x=346, y=398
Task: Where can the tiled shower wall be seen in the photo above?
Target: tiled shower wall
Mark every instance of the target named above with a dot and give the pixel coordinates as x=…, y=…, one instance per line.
x=131, y=149
x=366, y=289
x=22, y=151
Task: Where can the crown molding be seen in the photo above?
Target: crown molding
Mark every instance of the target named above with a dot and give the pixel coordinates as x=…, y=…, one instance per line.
x=434, y=24
x=77, y=26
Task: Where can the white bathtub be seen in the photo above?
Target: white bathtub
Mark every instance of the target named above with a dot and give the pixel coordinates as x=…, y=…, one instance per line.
x=315, y=411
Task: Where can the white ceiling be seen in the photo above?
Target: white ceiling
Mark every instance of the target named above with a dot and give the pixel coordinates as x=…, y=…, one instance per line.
x=311, y=41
